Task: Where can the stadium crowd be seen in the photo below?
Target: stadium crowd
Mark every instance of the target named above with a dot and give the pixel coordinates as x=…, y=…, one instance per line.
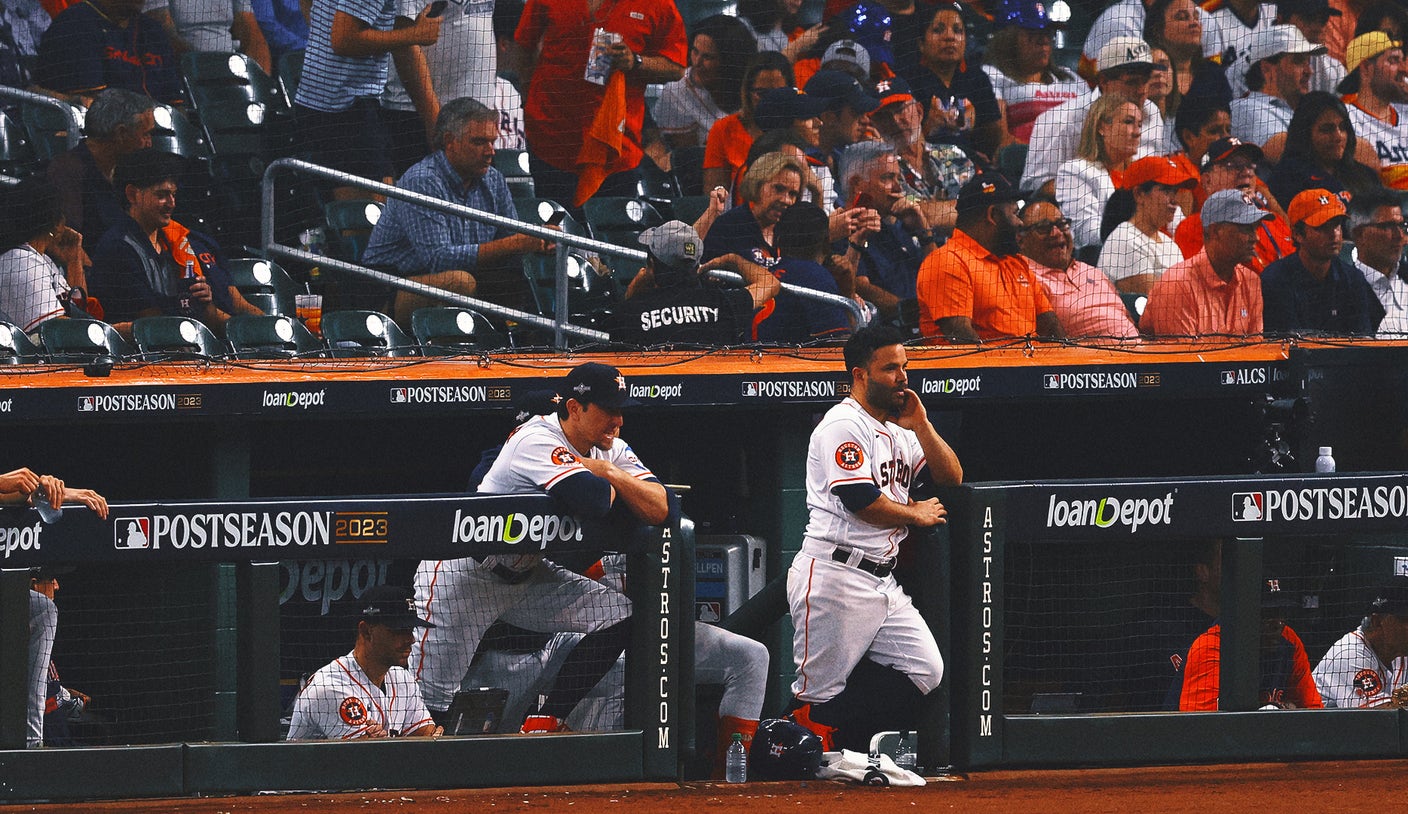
x=1225, y=169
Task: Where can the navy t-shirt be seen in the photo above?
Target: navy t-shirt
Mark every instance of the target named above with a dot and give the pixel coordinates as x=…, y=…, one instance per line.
x=129, y=277
x=84, y=51
x=790, y=319
x=737, y=232
x=968, y=83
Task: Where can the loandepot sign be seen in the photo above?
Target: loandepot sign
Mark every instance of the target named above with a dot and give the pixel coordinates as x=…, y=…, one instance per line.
x=1110, y=511
x=515, y=528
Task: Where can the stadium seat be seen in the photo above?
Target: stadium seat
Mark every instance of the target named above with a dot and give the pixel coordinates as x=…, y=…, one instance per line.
x=620, y=221
x=174, y=133
x=447, y=331
x=234, y=127
x=289, y=71
x=218, y=76
x=81, y=340
x=175, y=337
x=271, y=337
x=365, y=333
x=264, y=284
x=514, y=164
x=687, y=164
x=656, y=185
x=15, y=347
x=17, y=159
x=1134, y=303
x=349, y=227
x=47, y=129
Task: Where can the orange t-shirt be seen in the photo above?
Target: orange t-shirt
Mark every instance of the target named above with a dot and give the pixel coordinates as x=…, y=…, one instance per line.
x=727, y=145
x=962, y=279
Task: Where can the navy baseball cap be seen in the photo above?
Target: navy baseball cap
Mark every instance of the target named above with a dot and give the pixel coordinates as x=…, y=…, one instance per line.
x=535, y=402
x=841, y=90
x=780, y=107
x=1391, y=597
x=390, y=606
x=595, y=383
x=986, y=189
x=1275, y=595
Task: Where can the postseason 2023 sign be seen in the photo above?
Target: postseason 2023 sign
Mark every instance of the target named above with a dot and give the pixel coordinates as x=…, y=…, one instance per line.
x=426, y=527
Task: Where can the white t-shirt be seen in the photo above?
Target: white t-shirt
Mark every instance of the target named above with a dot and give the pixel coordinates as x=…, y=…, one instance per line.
x=1126, y=19
x=29, y=287
x=1082, y=189
x=685, y=108
x=1056, y=136
x=1027, y=100
x=851, y=447
x=340, y=702
x=1352, y=676
x=1129, y=252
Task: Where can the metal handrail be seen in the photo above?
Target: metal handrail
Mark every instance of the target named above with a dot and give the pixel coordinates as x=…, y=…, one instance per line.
x=560, y=325
x=74, y=135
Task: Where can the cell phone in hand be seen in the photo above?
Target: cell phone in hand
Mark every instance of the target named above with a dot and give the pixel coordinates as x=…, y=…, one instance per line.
x=437, y=8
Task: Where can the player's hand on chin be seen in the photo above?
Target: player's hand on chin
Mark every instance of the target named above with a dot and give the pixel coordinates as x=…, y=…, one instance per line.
x=912, y=414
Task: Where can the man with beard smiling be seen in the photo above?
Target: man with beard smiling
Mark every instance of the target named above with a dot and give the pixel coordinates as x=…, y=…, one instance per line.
x=976, y=287
x=368, y=693
x=863, y=460
x=1085, y=301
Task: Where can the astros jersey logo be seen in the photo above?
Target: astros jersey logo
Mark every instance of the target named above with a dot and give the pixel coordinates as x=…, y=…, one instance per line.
x=849, y=456
x=562, y=457
x=1366, y=683
x=352, y=711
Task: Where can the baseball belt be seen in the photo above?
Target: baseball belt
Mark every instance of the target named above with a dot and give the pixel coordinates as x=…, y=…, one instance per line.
x=880, y=568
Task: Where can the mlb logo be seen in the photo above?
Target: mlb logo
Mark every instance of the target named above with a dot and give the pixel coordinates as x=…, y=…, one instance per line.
x=1051, y=381
x=85, y=404
x=1229, y=377
x=398, y=395
x=750, y=389
x=1248, y=506
x=132, y=532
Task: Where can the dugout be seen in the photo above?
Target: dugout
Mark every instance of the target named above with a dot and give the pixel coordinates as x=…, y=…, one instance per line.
x=1067, y=594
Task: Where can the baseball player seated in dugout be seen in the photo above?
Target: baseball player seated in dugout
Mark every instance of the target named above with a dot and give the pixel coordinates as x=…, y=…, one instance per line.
x=862, y=463
x=1368, y=666
x=578, y=457
x=368, y=693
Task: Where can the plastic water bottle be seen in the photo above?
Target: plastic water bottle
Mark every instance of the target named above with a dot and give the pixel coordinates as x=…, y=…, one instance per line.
x=736, y=761
x=1326, y=461
x=47, y=513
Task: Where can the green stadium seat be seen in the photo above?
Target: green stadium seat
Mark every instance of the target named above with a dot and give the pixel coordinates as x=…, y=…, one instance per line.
x=271, y=337
x=620, y=221
x=264, y=284
x=15, y=347
x=17, y=158
x=365, y=333
x=516, y=169
x=47, y=128
x=449, y=331
x=175, y=337
x=81, y=340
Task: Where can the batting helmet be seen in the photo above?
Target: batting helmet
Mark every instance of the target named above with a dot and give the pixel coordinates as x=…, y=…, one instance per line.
x=783, y=750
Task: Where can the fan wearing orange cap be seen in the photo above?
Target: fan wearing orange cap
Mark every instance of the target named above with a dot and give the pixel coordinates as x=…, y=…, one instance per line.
x=1379, y=108
x=1314, y=290
x=1139, y=219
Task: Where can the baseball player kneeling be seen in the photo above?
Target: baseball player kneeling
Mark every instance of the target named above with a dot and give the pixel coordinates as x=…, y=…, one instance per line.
x=862, y=461
x=368, y=693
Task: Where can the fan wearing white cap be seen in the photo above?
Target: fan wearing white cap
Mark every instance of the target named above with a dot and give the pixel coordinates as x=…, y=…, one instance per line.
x=670, y=301
x=1276, y=67
x=1125, y=64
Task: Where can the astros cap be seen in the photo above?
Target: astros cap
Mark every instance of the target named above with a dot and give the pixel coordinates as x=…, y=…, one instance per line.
x=595, y=383
x=1232, y=206
x=780, y=107
x=1124, y=52
x=1275, y=595
x=1315, y=207
x=1160, y=170
x=892, y=91
x=1367, y=46
x=1225, y=148
x=390, y=606
x=984, y=190
x=841, y=90
x=1391, y=597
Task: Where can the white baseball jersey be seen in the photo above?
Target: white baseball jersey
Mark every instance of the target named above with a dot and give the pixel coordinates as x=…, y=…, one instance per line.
x=30, y=284
x=1389, y=140
x=1352, y=676
x=850, y=447
x=340, y=703
x=464, y=596
x=840, y=612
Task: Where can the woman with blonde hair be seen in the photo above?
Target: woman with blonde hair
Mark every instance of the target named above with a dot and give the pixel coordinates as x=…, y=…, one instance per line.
x=1108, y=142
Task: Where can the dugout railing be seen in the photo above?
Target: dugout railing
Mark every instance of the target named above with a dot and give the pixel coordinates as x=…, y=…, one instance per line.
x=560, y=324
x=241, y=543
x=1037, y=681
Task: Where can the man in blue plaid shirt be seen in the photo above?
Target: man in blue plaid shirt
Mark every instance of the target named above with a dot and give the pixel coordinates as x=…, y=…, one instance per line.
x=448, y=251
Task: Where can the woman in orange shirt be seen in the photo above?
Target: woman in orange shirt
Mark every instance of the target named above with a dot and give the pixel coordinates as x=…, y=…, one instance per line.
x=726, y=150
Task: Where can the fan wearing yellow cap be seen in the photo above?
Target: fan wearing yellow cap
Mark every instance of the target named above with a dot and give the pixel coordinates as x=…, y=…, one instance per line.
x=1378, y=108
